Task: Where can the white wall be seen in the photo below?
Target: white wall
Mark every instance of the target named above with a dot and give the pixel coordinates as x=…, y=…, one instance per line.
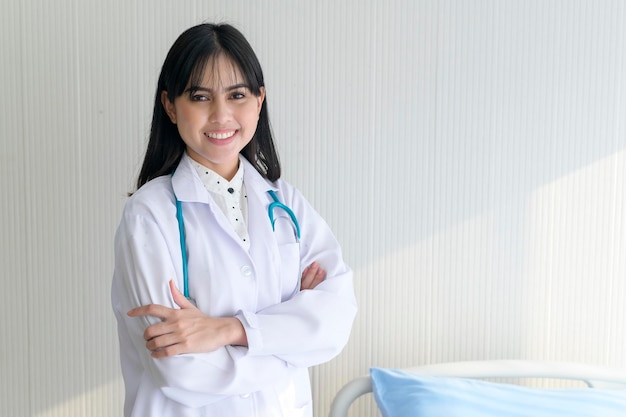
x=470, y=156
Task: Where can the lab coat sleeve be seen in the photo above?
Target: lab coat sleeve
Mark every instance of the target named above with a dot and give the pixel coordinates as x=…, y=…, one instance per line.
x=314, y=325
x=143, y=267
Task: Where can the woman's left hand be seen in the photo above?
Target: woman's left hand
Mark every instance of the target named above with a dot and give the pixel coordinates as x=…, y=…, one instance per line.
x=312, y=276
x=187, y=330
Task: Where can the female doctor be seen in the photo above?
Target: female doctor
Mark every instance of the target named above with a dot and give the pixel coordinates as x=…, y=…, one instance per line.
x=228, y=285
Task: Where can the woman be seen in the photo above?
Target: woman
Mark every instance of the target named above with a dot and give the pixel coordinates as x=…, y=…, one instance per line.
x=268, y=292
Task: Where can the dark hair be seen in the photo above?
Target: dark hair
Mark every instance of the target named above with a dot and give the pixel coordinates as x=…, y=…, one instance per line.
x=186, y=62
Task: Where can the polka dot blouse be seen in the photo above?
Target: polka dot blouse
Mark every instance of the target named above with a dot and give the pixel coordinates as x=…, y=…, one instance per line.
x=230, y=196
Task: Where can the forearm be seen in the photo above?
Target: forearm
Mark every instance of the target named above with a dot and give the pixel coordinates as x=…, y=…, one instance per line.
x=307, y=330
x=198, y=379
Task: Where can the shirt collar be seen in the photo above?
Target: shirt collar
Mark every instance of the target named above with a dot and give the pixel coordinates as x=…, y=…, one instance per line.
x=188, y=186
x=215, y=183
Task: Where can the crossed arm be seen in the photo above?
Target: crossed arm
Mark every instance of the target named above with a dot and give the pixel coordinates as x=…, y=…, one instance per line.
x=188, y=330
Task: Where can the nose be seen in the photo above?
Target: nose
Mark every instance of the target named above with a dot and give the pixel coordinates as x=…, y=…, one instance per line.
x=219, y=112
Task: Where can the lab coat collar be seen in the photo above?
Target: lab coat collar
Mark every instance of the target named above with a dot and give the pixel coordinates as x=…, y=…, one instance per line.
x=254, y=182
x=186, y=183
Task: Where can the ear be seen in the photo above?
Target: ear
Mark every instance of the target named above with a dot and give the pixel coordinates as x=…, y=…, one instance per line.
x=260, y=99
x=169, y=107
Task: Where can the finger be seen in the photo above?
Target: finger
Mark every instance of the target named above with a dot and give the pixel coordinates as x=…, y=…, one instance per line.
x=179, y=298
x=308, y=276
x=158, y=330
x=154, y=310
x=320, y=276
x=162, y=341
x=167, y=351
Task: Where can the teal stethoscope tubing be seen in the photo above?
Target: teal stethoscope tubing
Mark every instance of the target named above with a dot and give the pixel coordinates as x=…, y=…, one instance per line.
x=276, y=203
x=183, y=245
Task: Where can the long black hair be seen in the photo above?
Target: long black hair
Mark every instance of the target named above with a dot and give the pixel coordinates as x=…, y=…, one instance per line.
x=185, y=64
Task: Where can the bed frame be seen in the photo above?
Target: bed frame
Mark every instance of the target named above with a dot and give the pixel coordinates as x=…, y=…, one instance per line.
x=593, y=376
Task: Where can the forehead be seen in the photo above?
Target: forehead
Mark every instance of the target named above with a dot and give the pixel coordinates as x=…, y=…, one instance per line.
x=219, y=71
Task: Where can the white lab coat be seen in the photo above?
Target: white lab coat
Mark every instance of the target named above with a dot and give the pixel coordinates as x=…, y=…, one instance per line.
x=288, y=330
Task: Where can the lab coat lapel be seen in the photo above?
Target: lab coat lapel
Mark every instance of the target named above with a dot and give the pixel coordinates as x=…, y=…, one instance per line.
x=189, y=189
x=187, y=185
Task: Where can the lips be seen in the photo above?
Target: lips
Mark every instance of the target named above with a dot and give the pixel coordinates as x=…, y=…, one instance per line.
x=220, y=135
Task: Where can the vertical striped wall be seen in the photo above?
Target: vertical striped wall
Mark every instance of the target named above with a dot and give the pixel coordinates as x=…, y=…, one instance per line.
x=470, y=155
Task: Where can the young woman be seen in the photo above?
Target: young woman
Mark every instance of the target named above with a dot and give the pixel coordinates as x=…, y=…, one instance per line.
x=228, y=285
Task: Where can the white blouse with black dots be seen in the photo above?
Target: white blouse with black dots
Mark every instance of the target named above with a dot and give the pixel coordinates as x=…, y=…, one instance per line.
x=230, y=196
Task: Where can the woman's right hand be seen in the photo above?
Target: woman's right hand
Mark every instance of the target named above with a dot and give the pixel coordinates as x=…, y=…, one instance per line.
x=312, y=276
x=187, y=330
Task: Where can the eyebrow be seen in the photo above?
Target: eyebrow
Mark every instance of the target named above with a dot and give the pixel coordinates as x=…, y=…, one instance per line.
x=196, y=88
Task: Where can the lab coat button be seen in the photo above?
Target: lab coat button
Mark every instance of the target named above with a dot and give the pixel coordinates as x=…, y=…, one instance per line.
x=246, y=271
x=244, y=396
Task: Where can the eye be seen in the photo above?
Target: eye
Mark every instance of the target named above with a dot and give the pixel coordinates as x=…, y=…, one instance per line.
x=238, y=95
x=198, y=97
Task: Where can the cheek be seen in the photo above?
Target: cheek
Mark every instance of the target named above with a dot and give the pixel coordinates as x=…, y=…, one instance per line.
x=191, y=119
x=253, y=119
x=252, y=125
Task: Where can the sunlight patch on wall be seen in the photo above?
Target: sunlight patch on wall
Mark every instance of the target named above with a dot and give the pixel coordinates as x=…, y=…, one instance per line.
x=104, y=400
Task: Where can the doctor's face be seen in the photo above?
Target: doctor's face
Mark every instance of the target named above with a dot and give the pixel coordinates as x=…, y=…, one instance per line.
x=218, y=118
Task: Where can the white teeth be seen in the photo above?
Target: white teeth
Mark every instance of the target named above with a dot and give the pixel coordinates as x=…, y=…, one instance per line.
x=220, y=135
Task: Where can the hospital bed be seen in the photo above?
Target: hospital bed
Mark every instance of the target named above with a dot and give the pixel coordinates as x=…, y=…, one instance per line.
x=473, y=377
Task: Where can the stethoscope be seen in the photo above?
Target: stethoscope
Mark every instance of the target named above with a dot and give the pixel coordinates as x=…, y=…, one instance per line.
x=275, y=204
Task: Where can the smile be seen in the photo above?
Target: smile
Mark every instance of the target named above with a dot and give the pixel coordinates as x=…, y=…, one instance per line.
x=220, y=135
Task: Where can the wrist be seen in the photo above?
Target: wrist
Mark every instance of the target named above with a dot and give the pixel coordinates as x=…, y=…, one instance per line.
x=236, y=333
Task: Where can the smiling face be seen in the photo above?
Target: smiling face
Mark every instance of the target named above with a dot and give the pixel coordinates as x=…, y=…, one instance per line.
x=217, y=118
